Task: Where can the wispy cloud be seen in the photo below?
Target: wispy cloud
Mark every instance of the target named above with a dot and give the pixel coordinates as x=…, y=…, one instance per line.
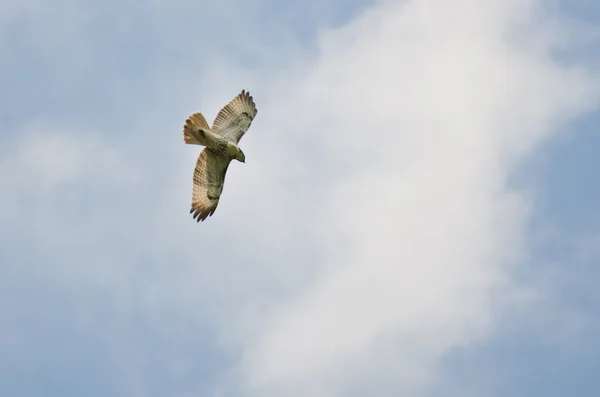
x=419, y=112
x=371, y=232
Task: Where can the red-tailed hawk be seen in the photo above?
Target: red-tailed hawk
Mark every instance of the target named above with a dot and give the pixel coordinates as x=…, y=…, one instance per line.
x=221, y=143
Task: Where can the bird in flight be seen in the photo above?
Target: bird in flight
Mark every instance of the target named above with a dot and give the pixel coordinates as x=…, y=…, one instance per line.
x=221, y=147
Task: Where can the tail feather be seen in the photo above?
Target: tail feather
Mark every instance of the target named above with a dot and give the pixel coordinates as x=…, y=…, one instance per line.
x=192, y=127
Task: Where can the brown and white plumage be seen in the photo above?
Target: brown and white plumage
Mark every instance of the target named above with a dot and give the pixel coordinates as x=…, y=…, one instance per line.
x=235, y=118
x=221, y=142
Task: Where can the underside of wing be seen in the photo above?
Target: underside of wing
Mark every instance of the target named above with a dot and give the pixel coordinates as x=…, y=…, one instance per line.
x=235, y=118
x=209, y=177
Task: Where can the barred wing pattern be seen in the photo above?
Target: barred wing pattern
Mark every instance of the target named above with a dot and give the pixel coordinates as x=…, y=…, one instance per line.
x=235, y=118
x=209, y=177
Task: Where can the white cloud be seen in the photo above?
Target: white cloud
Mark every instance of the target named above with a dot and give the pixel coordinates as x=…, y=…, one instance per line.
x=371, y=230
x=60, y=199
x=419, y=111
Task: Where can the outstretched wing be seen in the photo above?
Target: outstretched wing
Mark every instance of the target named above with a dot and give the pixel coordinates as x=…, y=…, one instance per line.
x=235, y=118
x=209, y=177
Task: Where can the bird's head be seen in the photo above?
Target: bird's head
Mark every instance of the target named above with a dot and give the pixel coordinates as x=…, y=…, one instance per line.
x=240, y=156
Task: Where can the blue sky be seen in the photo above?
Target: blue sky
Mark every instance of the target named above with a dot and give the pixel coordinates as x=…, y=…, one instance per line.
x=417, y=215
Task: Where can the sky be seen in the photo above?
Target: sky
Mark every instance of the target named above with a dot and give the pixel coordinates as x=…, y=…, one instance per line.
x=417, y=214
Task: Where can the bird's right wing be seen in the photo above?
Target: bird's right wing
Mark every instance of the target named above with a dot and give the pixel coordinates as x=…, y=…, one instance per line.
x=235, y=118
x=209, y=177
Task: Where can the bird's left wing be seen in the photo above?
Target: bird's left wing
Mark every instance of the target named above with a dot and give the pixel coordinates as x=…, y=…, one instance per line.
x=235, y=118
x=209, y=177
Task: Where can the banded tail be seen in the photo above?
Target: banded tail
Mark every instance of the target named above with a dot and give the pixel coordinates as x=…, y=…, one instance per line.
x=191, y=130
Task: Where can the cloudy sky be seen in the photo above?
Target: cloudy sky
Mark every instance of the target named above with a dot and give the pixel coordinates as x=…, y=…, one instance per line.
x=418, y=214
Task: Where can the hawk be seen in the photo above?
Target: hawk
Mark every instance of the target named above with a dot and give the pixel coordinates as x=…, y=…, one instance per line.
x=221, y=147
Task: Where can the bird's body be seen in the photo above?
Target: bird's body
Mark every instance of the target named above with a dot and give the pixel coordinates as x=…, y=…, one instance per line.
x=221, y=147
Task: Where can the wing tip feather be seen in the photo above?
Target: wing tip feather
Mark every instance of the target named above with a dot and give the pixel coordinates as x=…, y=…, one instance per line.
x=201, y=211
x=250, y=101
